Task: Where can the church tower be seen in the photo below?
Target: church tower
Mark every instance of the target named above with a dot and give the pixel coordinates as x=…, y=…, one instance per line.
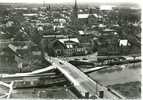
x=74, y=17
x=75, y=9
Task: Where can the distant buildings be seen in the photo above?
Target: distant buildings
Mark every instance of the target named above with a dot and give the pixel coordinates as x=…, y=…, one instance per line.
x=30, y=15
x=90, y=29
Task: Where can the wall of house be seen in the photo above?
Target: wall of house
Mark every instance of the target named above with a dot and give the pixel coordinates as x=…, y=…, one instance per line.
x=71, y=52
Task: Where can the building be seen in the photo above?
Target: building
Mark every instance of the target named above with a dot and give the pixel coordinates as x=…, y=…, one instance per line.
x=74, y=16
x=67, y=47
x=79, y=20
x=88, y=19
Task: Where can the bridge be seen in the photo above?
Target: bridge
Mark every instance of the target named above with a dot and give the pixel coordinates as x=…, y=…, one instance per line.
x=82, y=83
x=79, y=80
x=39, y=71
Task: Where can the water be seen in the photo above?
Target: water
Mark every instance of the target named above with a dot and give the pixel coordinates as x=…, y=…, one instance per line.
x=118, y=76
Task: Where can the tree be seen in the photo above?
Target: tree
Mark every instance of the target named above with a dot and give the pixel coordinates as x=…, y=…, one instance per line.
x=37, y=39
x=16, y=21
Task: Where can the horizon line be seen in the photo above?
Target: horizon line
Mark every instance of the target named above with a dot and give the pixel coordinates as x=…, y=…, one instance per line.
x=72, y=1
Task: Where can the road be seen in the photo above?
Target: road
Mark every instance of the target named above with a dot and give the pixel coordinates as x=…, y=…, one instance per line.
x=80, y=81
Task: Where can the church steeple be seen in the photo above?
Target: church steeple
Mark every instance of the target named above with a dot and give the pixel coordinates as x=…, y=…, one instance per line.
x=75, y=9
x=74, y=17
x=43, y=3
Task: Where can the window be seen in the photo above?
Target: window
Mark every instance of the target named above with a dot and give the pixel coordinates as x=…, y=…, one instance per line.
x=69, y=46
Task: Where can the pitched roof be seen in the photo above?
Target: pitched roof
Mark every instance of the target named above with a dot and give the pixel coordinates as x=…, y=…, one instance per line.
x=83, y=15
x=86, y=15
x=69, y=39
x=81, y=32
x=31, y=14
x=108, y=30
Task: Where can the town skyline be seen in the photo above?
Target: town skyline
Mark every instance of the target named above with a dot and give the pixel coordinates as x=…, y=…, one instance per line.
x=71, y=1
x=81, y=3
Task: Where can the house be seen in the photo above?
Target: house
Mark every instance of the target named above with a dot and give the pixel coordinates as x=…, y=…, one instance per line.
x=81, y=32
x=123, y=42
x=30, y=15
x=106, y=7
x=82, y=16
x=87, y=19
x=67, y=47
x=108, y=33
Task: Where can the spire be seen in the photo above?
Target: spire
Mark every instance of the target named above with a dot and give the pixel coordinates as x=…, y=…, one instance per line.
x=76, y=4
x=44, y=3
x=48, y=8
x=74, y=17
x=75, y=9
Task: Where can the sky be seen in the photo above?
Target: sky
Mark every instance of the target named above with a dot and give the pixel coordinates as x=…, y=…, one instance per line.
x=70, y=1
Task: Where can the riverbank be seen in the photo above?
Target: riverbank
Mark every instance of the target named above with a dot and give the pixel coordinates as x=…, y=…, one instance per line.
x=126, y=79
x=131, y=90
